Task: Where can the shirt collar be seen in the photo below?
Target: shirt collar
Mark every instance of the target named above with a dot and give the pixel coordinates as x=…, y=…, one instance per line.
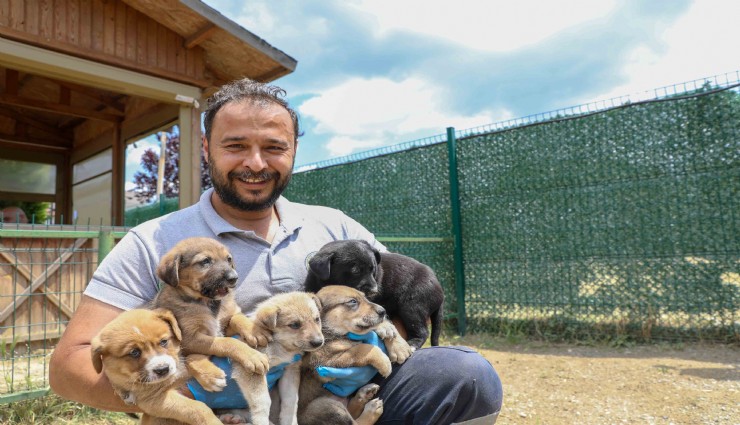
x=290, y=220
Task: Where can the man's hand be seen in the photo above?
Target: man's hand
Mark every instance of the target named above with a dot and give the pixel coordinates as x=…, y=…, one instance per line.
x=349, y=379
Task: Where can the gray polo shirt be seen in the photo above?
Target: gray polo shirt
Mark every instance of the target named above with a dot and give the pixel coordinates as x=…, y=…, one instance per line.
x=127, y=276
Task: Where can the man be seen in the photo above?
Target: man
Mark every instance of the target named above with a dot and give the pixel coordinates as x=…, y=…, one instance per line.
x=250, y=141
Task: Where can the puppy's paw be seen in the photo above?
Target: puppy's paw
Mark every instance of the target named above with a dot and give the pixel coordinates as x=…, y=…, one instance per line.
x=398, y=349
x=373, y=409
x=254, y=361
x=383, y=364
x=366, y=393
x=386, y=330
x=211, y=377
x=257, y=337
x=232, y=418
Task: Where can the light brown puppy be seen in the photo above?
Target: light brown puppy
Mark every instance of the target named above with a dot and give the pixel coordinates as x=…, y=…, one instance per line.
x=294, y=320
x=200, y=278
x=346, y=310
x=139, y=351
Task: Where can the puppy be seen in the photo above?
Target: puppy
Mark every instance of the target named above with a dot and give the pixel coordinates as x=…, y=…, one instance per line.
x=408, y=289
x=345, y=310
x=139, y=351
x=294, y=320
x=200, y=278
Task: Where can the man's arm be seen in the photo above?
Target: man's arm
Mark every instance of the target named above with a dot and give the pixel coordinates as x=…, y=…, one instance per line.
x=71, y=372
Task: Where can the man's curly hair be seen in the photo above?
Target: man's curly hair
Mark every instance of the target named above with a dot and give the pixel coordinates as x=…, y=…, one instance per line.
x=247, y=90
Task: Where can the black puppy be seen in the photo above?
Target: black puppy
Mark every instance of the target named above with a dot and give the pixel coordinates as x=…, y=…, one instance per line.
x=406, y=288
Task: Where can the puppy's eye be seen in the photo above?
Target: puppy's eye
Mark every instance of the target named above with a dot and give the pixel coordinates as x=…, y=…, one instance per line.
x=205, y=262
x=229, y=259
x=355, y=270
x=352, y=302
x=135, y=353
x=295, y=325
x=317, y=320
x=163, y=343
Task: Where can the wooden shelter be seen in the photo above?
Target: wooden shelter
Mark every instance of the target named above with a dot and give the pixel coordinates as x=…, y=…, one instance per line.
x=81, y=79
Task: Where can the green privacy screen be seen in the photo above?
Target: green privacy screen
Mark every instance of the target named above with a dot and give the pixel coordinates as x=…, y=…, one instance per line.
x=615, y=222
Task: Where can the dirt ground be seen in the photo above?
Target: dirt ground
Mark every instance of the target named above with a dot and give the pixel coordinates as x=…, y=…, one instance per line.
x=547, y=383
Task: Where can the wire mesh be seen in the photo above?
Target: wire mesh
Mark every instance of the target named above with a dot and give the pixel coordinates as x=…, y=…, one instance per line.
x=611, y=219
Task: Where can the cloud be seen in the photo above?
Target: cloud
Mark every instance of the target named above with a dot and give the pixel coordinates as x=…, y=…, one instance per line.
x=366, y=113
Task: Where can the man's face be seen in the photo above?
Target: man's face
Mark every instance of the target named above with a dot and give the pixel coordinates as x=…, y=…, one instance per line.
x=251, y=154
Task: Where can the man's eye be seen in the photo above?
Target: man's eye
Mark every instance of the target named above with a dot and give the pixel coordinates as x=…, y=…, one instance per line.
x=135, y=353
x=295, y=325
x=163, y=343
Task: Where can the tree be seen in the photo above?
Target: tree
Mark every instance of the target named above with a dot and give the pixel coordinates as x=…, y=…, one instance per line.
x=145, y=181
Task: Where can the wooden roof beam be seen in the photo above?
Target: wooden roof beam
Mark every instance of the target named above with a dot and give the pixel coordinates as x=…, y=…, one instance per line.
x=58, y=108
x=200, y=36
x=47, y=128
x=16, y=141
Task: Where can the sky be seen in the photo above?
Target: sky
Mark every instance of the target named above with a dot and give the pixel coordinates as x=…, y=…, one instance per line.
x=373, y=73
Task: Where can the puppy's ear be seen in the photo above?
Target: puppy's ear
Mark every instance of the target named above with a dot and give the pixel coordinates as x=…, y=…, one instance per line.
x=317, y=300
x=267, y=317
x=96, y=351
x=168, y=268
x=168, y=317
x=320, y=264
x=376, y=253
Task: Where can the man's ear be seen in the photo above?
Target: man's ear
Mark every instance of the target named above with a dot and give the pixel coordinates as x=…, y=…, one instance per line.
x=205, y=148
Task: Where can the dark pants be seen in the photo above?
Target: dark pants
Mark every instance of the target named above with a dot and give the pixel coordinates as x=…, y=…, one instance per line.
x=440, y=385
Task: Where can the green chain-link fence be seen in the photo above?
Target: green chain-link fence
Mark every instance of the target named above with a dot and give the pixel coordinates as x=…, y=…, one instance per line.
x=617, y=219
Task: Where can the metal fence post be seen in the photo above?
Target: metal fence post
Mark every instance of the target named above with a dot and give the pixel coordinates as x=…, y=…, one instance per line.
x=456, y=230
x=105, y=244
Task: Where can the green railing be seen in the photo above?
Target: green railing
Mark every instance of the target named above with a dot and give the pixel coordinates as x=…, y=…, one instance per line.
x=43, y=271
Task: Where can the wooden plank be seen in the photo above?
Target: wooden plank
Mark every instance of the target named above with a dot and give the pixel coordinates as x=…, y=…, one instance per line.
x=151, y=43
x=200, y=36
x=141, y=40
x=24, y=271
x=32, y=18
x=73, y=21
x=118, y=171
x=60, y=21
x=131, y=33
x=32, y=144
x=50, y=270
x=109, y=28
x=74, y=111
x=4, y=13
x=48, y=128
x=17, y=15
x=161, y=46
x=46, y=19
x=181, y=53
x=120, y=31
x=85, y=26
x=98, y=23
x=172, y=42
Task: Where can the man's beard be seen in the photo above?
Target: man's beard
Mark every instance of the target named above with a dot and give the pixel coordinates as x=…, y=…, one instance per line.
x=229, y=195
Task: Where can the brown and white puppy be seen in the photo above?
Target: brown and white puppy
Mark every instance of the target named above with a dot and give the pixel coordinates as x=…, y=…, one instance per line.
x=346, y=310
x=139, y=351
x=200, y=278
x=294, y=320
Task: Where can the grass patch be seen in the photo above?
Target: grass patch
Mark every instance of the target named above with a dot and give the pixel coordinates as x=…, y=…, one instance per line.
x=52, y=409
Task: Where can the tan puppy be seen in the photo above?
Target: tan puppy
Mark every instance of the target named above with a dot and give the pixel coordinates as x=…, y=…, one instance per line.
x=200, y=278
x=294, y=320
x=139, y=351
x=345, y=310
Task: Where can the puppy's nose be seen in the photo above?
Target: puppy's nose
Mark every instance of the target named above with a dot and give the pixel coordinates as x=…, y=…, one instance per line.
x=231, y=276
x=162, y=370
x=381, y=311
x=316, y=343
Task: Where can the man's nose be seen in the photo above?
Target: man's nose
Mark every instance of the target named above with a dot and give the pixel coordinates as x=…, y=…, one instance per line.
x=254, y=160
